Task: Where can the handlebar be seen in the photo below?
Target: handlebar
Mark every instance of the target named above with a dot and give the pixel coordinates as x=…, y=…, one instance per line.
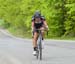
x=44, y=30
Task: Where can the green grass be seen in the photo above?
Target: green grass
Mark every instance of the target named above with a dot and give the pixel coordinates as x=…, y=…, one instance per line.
x=27, y=34
x=63, y=38
x=20, y=33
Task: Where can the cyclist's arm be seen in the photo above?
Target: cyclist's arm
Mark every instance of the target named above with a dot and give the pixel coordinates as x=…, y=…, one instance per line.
x=44, y=21
x=32, y=25
x=45, y=24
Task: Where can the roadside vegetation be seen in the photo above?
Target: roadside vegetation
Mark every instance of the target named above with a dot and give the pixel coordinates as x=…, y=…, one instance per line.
x=15, y=15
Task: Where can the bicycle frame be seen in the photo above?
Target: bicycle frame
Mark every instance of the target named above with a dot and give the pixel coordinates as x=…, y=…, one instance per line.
x=40, y=38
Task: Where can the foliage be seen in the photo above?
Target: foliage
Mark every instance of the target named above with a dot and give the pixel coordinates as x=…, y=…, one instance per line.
x=59, y=14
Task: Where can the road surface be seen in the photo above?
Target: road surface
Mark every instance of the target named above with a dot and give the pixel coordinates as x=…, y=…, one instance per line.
x=18, y=51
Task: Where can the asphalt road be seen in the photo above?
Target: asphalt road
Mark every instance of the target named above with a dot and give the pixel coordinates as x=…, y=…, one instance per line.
x=18, y=51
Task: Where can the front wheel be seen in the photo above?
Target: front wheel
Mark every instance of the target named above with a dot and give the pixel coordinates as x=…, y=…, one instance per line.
x=37, y=54
x=40, y=51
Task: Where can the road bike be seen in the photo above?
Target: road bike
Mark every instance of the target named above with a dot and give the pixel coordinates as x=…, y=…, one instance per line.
x=39, y=45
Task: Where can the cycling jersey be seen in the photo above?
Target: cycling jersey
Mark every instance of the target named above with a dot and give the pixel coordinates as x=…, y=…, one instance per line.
x=42, y=18
x=38, y=24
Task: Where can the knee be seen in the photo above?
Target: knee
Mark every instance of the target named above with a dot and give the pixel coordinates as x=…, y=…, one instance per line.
x=35, y=37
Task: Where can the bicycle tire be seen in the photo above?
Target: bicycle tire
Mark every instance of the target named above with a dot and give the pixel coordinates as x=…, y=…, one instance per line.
x=37, y=56
x=40, y=50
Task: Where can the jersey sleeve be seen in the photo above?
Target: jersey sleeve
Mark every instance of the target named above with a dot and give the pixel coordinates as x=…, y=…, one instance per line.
x=43, y=18
x=32, y=19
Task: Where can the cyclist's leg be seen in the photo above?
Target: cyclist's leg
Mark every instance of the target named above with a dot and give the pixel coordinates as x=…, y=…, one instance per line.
x=35, y=36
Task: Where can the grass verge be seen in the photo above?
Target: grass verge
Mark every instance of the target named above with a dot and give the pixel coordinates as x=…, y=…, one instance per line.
x=20, y=33
x=27, y=34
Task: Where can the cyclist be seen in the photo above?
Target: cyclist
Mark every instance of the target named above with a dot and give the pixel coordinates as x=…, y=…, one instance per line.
x=38, y=22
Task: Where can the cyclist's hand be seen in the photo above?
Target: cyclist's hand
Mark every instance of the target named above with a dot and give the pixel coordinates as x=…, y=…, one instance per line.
x=47, y=29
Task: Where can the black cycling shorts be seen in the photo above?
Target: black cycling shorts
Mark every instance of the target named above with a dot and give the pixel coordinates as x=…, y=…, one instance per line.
x=37, y=26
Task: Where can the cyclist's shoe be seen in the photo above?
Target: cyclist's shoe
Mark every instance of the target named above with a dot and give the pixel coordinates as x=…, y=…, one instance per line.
x=34, y=53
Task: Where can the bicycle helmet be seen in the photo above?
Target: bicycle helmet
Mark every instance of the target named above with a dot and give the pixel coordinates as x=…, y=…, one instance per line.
x=37, y=14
